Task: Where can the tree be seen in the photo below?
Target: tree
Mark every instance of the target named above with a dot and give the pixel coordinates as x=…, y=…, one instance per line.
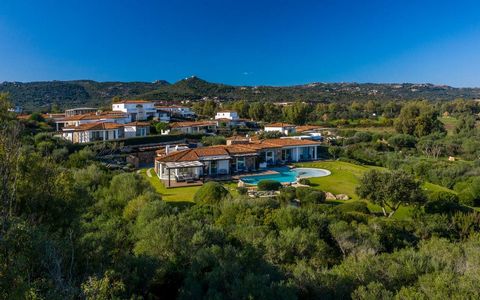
x=161, y=126
x=390, y=190
x=334, y=151
x=209, y=108
x=418, y=119
x=297, y=113
x=211, y=192
x=257, y=111
x=400, y=141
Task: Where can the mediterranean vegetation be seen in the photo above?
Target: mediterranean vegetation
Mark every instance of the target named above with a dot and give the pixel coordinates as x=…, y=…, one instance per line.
x=74, y=227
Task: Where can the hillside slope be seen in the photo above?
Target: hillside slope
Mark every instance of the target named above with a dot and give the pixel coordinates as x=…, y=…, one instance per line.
x=40, y=95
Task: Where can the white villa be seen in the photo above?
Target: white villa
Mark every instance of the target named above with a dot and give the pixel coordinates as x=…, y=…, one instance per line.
x=138, y=110
x=91, y=132
x=200, y=127
x=283, y=128
x=176, y=110
x=227, y=114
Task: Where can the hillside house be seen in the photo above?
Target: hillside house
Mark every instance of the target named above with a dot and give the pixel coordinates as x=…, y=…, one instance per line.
x=91, y=132
x=200, y=127
x=283, y=128
x=225, y=160
x=138, y=110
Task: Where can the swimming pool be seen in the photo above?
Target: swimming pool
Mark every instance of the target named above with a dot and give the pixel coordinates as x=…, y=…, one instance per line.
x=286, y=175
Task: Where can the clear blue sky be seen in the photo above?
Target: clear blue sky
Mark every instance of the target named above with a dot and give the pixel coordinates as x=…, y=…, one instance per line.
x=241, y=41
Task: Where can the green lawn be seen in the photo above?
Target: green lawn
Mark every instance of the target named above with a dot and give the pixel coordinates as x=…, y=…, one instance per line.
x=344, y=179
x=346, y=176
x=181, y=194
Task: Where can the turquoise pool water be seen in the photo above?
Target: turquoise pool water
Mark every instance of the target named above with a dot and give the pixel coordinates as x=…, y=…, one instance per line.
x=286, y=175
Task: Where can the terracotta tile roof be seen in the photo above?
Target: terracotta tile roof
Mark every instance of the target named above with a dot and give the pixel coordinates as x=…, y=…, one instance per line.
x=134, y=101
x=230, y=150
x=289, y=142
x=278, y=124
x=139, y=124
x=94, y=126
x=190, y=124
x=95, y=116
x=307, y=128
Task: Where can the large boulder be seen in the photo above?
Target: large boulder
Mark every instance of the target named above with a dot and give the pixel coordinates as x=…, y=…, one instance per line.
x=330, y=196
x=342, y=197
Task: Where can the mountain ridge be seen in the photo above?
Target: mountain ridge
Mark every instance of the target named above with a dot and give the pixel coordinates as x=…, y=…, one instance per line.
x=40, y=95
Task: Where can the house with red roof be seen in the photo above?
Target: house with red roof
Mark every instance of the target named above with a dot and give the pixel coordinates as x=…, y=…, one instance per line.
x=224, y=160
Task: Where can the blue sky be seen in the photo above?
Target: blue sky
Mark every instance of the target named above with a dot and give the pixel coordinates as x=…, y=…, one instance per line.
x=279, y=42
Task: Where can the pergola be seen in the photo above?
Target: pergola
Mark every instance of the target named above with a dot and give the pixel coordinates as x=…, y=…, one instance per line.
x=183, y=165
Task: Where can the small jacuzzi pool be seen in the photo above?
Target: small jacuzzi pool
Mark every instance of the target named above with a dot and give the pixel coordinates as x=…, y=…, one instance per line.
x=287, y=175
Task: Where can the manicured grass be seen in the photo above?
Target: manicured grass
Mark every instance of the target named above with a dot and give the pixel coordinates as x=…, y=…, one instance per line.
x=344, y=178
x=181, y=194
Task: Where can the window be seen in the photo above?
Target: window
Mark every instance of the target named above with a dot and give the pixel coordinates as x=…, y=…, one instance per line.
x=241, y=164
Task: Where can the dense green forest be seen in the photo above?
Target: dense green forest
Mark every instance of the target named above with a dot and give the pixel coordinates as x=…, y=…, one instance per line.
x=70, y=228
x=67, y=94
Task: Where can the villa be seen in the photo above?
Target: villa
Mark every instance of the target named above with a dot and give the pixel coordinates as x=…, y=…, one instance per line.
x=192, y=165
x=138, y=110
x=200, y=127
x=227, y=114
x=80, y=111
x=176, y=110
x=91, y=132
x=135, y=129
x=97, y=117
x=283, y=128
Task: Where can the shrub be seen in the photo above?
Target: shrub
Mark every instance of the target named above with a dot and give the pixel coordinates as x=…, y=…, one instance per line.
x=356, y=206
x=314, y=197
x=302, y=192
x=211, y=192
x=213, y=140
x=304, y=181
x=269, y=185
x=242, y=190
x=287, y=194
x=400, y=141
x=442, y=203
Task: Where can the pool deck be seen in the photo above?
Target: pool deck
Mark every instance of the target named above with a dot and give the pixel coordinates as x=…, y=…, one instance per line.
x=256, y=173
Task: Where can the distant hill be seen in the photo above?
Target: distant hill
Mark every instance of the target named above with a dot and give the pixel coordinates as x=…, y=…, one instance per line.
x=41, y=95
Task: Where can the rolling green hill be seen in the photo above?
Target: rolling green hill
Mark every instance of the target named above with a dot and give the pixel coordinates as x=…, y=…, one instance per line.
x=41, y=95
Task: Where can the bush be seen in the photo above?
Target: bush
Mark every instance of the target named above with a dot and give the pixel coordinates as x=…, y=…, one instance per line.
x=211, y=192
x=269, y=185
x=242, y=190
x=357, y=206
x=442, y=203
x=314, y=197
x=302, y=192
x=213, y=140
x=304, y=181
x=287, y=194
x=400, y=141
